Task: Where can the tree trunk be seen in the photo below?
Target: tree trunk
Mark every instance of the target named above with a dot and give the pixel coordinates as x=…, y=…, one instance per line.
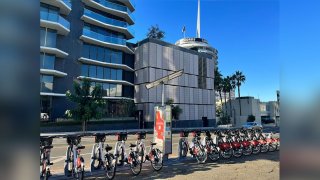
x=225, y=103
x=230, y=103
x=239, y=99
x=84, y=126
x=220, y=99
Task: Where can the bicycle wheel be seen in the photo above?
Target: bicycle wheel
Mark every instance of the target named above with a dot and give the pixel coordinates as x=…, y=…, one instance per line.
x=157, y=160
x=214, y=154
x=96, y=161
x=184, y=149
x=201, y=156
x=68, y=166
x=46, y=175
x=80, y=175
x=136, y=164
x=111, y=166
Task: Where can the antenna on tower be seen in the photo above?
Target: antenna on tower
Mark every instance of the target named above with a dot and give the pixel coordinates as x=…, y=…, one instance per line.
x=198, y=21
x=184, y=31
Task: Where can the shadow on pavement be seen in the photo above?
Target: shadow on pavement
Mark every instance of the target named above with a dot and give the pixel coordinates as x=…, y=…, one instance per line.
x=175, y=167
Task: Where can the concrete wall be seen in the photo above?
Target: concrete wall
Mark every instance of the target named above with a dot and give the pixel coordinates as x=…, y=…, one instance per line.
x=249, y=106
x=153, y=61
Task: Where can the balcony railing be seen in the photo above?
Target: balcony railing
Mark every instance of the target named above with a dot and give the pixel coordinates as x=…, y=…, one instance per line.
x=103, y=38
x=107, y=20
x=67, y=2
x=115, y=6
x=55, y=18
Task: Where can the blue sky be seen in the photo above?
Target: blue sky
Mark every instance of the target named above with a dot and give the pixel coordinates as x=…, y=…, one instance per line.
x=246, y=34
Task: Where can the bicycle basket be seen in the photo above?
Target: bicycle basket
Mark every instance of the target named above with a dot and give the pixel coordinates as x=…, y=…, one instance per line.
x=122, y=136
x=184, y=134
x=142, y=135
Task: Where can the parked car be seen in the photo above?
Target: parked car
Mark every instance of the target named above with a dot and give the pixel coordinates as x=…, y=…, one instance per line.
x=250, y=125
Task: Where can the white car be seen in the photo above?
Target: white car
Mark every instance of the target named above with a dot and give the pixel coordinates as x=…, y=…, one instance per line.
x=250, y=125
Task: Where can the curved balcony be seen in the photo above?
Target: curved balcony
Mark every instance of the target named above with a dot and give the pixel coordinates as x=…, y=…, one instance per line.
x=109, y=23
x=106, y=80
x=111, y=8
x=51, y=94
x=104, y=64
x=106, y=41
x=129, y=4
x=50, y=50
x=53, y=72
x=63, y=5
x=54, y=21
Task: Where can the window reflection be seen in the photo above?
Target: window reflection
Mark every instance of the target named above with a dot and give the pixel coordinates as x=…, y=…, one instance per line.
x=113, y=90
x=46, y=83
x=48, y=37
x=101, y=54
x=46, y=61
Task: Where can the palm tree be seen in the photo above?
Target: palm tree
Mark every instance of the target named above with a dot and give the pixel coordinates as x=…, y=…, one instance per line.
x=218, y=82
x=226, y=85
x=240, y=78
x=155, y=32
x=232, y=87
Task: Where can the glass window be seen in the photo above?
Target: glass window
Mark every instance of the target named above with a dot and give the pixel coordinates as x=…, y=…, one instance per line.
x=113, y=74
x=51, y=38
x=105, y=91
x=86, y=51
x=42, y=36
x=107, y=55
x=119, y=90
x=46, y=83
x=92, y=71
x=106, y=73
x=113, y=90
x=100, y=54
x=93, y=52
x=119, y=74
x=47, y=61
x=100, y=72
x=114, y=58
x=84, y=70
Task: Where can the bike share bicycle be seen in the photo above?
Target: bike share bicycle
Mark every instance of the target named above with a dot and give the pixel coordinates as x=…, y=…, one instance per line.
x=198, y=149
x=133, y=159
x=212, y=150
x=45, y=149
x=154, y=155
x=183, y=144
x=225, y=147
x=101, y=160
x=74, y=163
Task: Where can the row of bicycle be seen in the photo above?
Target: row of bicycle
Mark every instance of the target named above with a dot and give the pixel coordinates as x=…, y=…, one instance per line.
x=227, y=143
x=102, y=158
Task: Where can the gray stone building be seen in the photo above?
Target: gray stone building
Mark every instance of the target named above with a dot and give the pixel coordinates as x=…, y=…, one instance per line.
x=193, y=91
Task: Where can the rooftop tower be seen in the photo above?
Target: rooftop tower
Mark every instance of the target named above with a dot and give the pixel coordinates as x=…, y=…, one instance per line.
x=198, y=44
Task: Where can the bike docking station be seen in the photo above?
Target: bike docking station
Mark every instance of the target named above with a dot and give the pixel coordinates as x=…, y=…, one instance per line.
x=162, y=133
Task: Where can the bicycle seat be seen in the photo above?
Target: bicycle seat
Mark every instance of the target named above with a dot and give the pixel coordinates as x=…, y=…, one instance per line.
x=132, y=145
x=153, y=143
x=81, y=147
x=108, y=148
